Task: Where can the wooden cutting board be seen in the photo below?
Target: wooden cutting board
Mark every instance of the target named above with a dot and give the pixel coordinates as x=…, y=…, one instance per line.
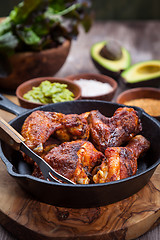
x=28, y=219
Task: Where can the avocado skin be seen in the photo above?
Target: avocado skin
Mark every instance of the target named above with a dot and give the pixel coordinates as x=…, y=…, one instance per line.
x=155, y=82
x=106, y=71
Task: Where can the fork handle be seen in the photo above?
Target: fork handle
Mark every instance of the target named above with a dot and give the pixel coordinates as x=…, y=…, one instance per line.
x=9, y=135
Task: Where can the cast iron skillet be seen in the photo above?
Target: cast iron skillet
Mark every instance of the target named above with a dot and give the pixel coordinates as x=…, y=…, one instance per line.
x=80, y=196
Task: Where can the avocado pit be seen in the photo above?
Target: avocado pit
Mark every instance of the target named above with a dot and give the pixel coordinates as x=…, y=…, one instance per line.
x=111, y=50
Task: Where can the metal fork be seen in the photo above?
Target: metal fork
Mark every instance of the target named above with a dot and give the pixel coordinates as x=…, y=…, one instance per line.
x=17, y=142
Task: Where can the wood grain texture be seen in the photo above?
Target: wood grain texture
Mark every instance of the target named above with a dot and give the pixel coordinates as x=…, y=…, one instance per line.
x=27, y=218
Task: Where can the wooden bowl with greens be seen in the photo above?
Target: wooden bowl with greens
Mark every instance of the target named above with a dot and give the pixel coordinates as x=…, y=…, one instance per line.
x=35, y=38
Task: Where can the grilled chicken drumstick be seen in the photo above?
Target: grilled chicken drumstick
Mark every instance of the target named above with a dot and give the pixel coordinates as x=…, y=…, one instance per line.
x=121, y=162
x=115, y=131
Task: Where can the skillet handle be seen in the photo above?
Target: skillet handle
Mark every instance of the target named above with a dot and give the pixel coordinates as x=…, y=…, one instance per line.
x=9, y=106
x=9, y=135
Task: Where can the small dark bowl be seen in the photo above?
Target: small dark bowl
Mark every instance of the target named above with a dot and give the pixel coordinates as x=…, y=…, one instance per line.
x=137, y=93
x=101, y=78
x=27, y=86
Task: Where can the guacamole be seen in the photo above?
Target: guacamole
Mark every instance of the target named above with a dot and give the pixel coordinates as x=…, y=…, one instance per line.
x=48, y=92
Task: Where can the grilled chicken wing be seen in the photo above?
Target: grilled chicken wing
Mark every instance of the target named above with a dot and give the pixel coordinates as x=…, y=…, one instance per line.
x=115, y=131
x=74, y=160
x=37, y=129
x=40, y=125
x=73, y=127
x=121, y=162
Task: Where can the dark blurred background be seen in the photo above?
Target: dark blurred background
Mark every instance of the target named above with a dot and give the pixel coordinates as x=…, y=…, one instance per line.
x=110, y=9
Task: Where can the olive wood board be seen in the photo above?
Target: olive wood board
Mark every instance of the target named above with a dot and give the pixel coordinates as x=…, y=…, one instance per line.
x=27, y=218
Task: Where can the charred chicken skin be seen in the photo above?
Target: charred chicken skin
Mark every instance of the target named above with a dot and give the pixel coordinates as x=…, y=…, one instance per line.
x=115, y=131
x=62, y=141
x=121, y=162
x=74, y=160
x=40, y=126
x=73, y=127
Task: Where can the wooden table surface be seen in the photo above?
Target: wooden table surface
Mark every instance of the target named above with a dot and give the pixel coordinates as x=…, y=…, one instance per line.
x=142, y=39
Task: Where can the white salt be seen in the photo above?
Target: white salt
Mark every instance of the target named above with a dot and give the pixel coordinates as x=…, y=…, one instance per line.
x=93, y=88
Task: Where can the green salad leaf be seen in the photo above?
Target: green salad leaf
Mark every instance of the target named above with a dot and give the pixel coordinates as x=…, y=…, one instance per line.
x=8, y=42
x=21, y=12
x=34, y=25
x=28, y=36
x=5, y=26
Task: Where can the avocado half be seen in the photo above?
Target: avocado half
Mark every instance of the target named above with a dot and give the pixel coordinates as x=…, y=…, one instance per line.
x=112, y=68
x=142, y=74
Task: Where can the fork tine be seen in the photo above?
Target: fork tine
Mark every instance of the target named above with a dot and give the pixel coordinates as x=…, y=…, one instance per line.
x=62, y=178
x=47, y=170
x=50, y=177
x=54, y=176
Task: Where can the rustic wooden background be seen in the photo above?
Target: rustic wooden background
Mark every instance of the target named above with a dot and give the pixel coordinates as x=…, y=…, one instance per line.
x=109, y=9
